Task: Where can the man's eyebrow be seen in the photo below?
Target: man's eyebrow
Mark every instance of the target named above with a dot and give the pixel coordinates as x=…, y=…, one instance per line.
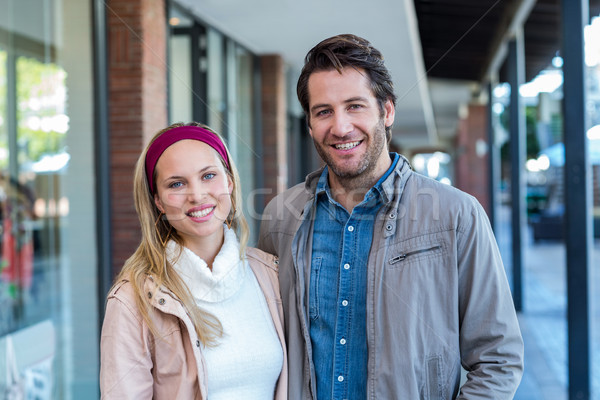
x=317, y=106
x=357, y=98
x=350, y=100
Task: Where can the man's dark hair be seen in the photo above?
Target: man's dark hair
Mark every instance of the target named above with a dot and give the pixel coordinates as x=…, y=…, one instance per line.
x=347, y=50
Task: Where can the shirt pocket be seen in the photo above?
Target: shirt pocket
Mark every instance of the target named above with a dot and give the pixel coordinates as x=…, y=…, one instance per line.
x=313, y=289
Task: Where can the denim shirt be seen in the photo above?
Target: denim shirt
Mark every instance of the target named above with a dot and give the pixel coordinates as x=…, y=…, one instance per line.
x=337, y=290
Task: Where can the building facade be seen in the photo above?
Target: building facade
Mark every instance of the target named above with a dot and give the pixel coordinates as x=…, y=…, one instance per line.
x=83, y=86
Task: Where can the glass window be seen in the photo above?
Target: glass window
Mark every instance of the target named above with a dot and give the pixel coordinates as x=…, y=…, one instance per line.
x=180, y=79
x=48, y=288
x=216, y=82
x=241, y=125
x=181, y=87
x=217, y=89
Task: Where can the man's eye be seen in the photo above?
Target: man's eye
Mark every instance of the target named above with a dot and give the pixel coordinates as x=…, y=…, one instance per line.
x=322, y=112
x=355, y=106
x=208, y=176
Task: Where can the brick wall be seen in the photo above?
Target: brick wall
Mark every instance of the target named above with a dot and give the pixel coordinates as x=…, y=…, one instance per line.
x=274, y=123
x=471, y=163
x=137, y=104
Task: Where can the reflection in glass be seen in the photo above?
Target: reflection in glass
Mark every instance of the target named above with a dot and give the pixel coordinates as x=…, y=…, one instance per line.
x=46, y=174
x=216, y=82
x=29, y=234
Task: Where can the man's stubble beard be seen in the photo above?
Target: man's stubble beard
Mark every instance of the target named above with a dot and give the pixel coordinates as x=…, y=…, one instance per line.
x=360, y=177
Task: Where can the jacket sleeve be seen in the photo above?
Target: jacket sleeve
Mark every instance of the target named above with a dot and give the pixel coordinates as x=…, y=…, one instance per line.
x=265, y=241
x=126, y=362
x=491, y=345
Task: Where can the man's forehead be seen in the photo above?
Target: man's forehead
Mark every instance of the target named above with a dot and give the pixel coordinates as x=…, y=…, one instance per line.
x=350, y=84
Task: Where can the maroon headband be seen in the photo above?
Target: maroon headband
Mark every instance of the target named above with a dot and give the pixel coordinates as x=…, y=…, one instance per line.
x=161, y=143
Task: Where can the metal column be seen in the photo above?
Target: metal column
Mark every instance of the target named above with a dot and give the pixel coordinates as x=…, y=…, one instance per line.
x=516, y=76
x=493, y=158
x=102, y=157
x=578, y=220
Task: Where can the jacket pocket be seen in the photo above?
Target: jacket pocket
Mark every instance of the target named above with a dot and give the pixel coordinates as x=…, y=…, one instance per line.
x=435, y=374
x=313, y=289
x=402, y=257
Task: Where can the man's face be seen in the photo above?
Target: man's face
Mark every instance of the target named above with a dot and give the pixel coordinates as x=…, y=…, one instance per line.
x=347, y=125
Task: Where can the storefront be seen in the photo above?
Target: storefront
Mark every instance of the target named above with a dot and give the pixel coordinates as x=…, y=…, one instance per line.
x=213, y=79
x=67, y=150
x=48, y=266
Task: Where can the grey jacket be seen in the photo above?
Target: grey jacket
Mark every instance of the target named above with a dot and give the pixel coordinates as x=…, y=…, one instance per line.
x=437, y=295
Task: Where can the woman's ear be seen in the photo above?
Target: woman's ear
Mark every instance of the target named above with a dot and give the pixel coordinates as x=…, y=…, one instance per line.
x=158, y=203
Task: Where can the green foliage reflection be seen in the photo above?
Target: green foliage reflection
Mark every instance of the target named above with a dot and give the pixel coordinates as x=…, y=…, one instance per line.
x=41, y=103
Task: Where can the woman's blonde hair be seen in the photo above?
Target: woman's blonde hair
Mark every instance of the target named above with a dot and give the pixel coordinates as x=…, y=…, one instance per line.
x=149, y=260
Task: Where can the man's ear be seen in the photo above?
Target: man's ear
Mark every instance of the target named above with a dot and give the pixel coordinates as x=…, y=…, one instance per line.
x=389, y=113
x=309, y=127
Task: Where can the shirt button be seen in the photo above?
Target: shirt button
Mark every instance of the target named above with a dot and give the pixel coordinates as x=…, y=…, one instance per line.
x=197, y=343
x=389, y=227
x=393, y=215
x=346, y=266
x=161, y=302
x=342, y=341
x=344, y=303
x=350, y=228
x=340, y=378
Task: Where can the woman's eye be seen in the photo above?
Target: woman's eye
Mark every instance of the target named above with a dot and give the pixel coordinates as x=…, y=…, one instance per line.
x=208, y=176
x=175, y=185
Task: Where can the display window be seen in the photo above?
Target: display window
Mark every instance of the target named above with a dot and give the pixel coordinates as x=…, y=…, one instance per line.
x=49, y=317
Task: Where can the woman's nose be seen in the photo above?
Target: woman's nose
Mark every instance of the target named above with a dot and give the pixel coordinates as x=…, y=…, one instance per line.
x=194, y=193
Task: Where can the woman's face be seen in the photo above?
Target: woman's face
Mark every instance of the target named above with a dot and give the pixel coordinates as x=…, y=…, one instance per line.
x=193, y=190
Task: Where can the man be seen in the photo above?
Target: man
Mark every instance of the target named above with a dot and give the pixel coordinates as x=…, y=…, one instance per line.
x=390, y=280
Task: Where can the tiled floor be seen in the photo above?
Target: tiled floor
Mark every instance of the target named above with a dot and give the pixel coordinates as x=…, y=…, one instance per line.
x=543, y=320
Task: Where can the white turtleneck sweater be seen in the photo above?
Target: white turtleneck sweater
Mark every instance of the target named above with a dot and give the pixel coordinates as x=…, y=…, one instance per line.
x=248, y=359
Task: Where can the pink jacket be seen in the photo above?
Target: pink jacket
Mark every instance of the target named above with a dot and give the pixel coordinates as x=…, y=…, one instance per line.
x=134, y=365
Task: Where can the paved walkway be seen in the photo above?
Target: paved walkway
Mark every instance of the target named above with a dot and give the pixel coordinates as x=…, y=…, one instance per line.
x=543, y=320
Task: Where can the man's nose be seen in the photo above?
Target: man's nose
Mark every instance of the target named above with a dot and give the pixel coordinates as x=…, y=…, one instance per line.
x=342, y=124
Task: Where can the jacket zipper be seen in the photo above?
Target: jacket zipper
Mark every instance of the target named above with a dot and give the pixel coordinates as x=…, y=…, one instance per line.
x=403, y=256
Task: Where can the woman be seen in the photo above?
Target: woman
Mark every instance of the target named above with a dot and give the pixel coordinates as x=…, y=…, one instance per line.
x=194, y=313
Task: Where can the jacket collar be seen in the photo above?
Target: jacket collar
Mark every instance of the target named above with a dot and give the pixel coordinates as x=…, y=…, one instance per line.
x=390, y=188
x=312, y=179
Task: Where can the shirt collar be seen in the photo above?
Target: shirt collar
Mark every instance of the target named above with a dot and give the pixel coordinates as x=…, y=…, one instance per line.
x=385, y=184
x=322, y=183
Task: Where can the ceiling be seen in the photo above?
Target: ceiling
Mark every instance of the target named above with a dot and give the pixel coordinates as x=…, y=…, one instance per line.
x=456, y=36
x=438, y=51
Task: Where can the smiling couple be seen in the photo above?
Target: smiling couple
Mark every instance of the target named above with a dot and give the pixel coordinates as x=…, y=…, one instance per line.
x=376, y=305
